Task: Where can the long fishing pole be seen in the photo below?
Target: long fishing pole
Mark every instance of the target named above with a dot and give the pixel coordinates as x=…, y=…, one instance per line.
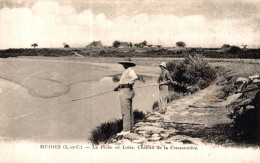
x=82, y=98
x=100, y=93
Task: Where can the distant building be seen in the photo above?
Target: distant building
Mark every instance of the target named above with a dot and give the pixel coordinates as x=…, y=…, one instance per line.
x=95, y=45
x=141, y=45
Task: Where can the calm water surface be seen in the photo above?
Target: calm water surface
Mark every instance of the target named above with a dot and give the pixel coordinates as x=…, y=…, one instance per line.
x=31, y=104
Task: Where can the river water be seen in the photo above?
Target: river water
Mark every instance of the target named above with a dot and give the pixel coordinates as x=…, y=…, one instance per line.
x=35, y=95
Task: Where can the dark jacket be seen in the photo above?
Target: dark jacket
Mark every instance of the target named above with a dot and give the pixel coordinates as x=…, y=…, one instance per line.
x=165, y=77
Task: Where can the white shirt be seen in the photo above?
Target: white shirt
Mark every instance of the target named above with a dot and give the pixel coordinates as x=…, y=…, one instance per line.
x=128, y=77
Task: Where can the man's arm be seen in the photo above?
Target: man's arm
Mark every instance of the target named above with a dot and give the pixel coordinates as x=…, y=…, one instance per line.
x=169, y=78
x=133, y=77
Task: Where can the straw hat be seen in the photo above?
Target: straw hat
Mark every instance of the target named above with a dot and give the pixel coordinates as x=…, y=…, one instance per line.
x=163, y=64
x=128, y=62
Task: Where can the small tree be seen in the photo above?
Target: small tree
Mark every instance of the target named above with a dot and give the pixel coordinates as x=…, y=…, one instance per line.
x=34, y=45
x=234, y=50
x=225, y=46
x=66, y=45
x=130, y=44
x=145, y=43
x=244, y=47
x=180, y=44
x=116, y=44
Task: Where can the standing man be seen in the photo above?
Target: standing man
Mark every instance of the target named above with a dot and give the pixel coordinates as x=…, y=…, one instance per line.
x=126, y=94
x=164, y=81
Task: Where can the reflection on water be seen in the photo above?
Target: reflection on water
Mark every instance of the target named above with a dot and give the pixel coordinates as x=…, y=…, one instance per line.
x=116, y=78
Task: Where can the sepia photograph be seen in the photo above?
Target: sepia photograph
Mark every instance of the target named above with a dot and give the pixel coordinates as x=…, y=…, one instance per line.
x=129, y=81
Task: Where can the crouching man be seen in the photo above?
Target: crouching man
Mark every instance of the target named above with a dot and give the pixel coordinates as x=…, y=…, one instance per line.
x=126, y=94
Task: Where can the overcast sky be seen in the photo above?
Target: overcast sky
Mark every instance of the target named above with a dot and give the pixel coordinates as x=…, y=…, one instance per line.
x=199, y=23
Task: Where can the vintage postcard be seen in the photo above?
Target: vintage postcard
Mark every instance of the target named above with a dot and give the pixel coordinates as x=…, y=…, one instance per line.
x=129, y=81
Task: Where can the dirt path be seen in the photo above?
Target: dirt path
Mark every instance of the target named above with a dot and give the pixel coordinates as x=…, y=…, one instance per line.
x=186, y=121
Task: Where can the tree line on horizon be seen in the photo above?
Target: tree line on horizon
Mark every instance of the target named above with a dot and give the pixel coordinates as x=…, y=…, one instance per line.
x=116, y=44
x=180, y=44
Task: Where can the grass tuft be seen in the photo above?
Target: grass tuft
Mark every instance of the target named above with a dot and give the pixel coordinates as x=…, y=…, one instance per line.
x=106, y=130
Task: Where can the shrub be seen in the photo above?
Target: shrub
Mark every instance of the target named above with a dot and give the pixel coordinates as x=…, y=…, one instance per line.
x=105, y=131
x=138, y=115
x=180, y=44
x=108, y=129
x=116, y=44
x=193, y=71
x=234, y=50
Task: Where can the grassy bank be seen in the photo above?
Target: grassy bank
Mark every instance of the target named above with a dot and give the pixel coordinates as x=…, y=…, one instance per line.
x=245, y=127
x=243, y=130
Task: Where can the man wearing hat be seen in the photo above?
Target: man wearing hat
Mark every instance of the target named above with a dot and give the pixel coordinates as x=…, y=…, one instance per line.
x=164, y=80
x=126, y=94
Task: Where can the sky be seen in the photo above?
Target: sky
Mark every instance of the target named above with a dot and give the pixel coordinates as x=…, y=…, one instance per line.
x=199, y=23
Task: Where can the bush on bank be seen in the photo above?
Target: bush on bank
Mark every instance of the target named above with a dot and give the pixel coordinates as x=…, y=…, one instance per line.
x=106, y=130
x=193, y=71
x=192, y=74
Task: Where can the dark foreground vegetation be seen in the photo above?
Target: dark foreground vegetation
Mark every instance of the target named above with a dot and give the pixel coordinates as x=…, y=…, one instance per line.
x=232, y=52
x=108, y=129
x=245, y=112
